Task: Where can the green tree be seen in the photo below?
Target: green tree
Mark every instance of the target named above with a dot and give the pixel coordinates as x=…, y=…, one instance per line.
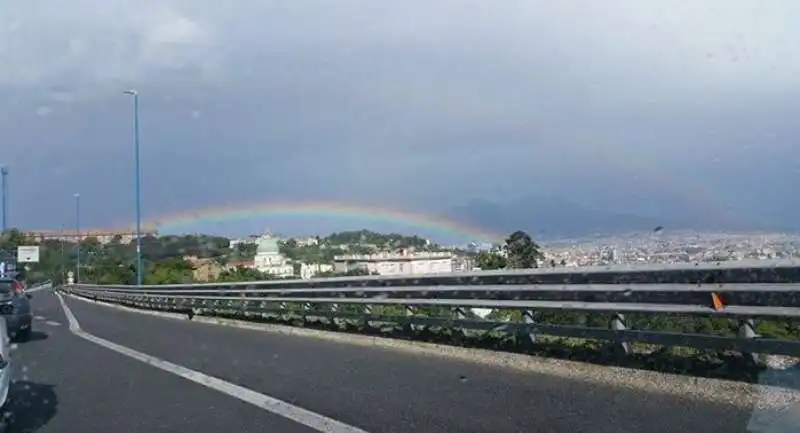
x=171, y=271
x=488, y=261
x=355, y=272
x=12, y=238
x=242, y=274
x=367, y=237
x=222, y=260
x=522, y=251
x=245, y=250
x=91, y=242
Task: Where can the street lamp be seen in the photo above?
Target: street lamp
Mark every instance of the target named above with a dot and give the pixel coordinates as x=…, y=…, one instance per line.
x=62, y=268
x=137, y=181
x=4, y=174
x=78, y=235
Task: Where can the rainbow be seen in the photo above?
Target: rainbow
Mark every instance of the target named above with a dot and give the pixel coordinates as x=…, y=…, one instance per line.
x=319, y=209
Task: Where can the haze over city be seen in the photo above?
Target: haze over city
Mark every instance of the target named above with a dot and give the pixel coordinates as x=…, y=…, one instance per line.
x=554, y=117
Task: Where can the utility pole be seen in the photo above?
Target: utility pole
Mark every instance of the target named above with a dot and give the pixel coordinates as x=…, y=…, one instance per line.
x=138, y=181
x=78, y=236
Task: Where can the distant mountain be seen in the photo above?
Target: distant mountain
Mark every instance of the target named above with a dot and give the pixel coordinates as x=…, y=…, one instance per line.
x=547, y=217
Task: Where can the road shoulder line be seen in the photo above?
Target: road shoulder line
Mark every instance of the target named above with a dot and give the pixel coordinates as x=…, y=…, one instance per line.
x=297, y=414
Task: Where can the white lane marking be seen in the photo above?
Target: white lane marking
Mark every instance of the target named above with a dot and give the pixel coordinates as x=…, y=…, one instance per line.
x=53, y=323
x=39, y=317
x=297, y=414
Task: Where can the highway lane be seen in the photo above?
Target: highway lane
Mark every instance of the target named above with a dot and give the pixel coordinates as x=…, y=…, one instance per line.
x=381, y=390
x=65, y=384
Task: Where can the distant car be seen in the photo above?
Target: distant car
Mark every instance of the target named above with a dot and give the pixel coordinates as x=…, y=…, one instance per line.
x=5, y=375
x=15, y=306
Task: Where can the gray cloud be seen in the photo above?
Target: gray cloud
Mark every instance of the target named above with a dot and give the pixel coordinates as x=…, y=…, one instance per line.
x=647, y=106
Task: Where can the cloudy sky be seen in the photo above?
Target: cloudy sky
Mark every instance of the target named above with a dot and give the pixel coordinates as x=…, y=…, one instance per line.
x=418, y=105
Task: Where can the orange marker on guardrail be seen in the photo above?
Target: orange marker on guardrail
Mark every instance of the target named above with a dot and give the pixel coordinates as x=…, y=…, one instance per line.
x=716, y=301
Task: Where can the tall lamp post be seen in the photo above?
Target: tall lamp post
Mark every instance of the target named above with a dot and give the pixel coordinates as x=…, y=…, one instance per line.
x=4, y=174
x=62, y=267
x=137, y=181
x=78, y=235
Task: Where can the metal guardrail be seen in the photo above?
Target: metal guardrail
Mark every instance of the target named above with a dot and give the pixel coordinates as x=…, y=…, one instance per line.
x=741, y=291
x=44, y=285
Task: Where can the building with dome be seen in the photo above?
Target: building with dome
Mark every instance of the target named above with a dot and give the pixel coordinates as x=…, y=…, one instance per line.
x=269, y=259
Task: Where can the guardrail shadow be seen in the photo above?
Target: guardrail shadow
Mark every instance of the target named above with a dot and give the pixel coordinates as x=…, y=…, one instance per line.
x=31, y=405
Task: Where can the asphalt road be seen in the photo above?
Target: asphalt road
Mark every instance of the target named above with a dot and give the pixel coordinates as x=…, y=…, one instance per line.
x=65, y=383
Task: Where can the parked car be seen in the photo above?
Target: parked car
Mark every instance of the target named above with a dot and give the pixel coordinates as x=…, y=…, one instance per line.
x=15, y=306
x=5, y=375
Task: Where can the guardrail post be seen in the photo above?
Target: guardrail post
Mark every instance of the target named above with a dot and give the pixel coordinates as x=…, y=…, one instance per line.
x=618, y=323
x=334, y=310
x=410, y=312
x=747, y=329
x=366, y=310
x=460, y=314
x=527, y=335
x=283, y=314
x=306, y=310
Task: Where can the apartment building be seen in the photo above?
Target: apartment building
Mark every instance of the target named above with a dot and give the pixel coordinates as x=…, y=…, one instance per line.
x=102, y=236
x=403, y=262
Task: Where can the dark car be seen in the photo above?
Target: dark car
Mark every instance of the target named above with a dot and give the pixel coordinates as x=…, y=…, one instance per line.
x=15, y=306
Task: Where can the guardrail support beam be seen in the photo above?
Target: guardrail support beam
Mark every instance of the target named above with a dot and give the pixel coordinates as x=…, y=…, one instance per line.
x=334, y=321
x=409, y=311
x=366, y=310
x=459, y=313
x=747, y=329
x=527, y=336
x=618, y=323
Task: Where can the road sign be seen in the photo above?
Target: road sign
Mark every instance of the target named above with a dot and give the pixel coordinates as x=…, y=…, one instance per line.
x=28, y=254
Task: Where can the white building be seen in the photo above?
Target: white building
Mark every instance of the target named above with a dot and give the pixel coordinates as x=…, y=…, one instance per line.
x=308, y=241
x=242, y=241
x=309, y=270
x=269, y=259
x=402, y=263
